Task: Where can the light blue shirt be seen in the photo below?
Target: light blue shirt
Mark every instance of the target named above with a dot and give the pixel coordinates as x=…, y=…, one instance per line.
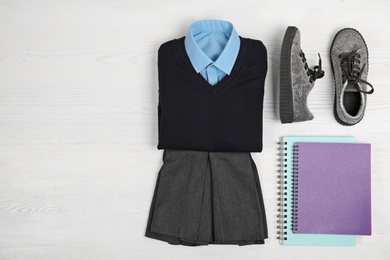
x=212, y=47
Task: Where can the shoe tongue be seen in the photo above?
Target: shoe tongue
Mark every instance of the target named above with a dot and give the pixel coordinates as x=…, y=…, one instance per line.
x=351, y=87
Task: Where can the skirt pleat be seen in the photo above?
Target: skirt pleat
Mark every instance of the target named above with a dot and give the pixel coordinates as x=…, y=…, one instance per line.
x=205, y=198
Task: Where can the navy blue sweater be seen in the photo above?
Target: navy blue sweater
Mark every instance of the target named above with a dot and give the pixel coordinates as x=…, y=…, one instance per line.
x=194, y=115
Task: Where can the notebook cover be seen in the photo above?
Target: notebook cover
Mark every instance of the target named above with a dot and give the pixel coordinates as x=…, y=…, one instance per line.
x=287, y=237
x=333, y=188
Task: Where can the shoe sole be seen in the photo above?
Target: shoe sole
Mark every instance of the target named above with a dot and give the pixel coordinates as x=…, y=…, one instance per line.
x=334, y=78
x=285, y=85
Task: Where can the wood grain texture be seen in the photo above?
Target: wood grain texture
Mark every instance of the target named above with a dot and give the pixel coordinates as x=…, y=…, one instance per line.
x=78, y=121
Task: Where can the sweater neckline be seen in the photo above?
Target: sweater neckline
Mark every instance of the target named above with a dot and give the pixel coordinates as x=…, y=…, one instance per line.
x=224, y=83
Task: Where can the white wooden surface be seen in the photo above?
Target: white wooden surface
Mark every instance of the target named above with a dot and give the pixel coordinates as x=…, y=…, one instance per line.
x=78, y=96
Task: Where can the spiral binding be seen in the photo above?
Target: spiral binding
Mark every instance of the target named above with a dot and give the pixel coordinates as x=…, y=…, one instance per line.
x=283, y=182
x=295, y=177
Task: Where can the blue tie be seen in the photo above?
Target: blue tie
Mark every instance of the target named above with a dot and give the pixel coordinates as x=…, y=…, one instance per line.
x=212, y=76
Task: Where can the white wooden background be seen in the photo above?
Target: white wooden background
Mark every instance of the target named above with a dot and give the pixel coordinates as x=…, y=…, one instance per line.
x=78, y=97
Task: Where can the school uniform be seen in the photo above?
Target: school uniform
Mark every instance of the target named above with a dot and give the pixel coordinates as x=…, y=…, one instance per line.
x=211, y=88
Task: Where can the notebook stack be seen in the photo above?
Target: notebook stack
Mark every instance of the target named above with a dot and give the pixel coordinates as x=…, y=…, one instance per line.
x=325, y=190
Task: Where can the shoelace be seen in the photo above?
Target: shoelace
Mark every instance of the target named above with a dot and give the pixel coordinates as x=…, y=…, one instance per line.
x=315, y=73
x=351, y=70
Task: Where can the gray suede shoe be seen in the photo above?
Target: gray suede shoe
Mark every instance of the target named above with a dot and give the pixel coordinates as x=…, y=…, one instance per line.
x=349, y=57
x=296, y=79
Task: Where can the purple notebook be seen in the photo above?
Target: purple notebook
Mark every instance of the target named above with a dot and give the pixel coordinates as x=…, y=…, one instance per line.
x=332, y=188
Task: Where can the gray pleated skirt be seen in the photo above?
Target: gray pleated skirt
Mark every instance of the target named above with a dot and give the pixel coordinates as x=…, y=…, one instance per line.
x=207, y=198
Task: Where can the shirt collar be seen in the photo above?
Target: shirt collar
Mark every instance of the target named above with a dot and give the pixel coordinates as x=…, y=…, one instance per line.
x=199, y=59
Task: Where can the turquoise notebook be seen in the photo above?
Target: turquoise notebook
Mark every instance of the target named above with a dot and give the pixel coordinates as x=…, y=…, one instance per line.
x=286, y=236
